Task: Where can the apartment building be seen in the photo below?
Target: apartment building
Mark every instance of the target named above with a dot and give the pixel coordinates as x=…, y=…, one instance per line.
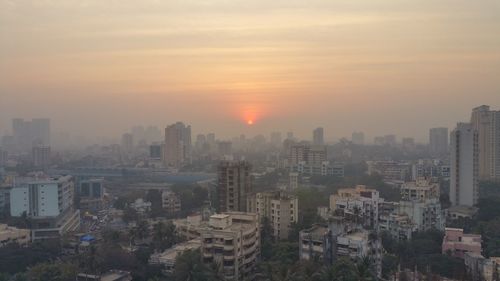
x=171, y=202
x=359, y=203
x=9, y=235
x=279, y=207
x=457, y=243
x=232, y=240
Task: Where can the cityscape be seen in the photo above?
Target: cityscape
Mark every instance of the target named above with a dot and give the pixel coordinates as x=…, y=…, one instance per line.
x=240, y=140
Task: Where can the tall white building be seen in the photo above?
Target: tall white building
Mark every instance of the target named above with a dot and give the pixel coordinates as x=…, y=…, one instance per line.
x=464, y=165
x=487, y=124
x=177, y=145
x=48, y=202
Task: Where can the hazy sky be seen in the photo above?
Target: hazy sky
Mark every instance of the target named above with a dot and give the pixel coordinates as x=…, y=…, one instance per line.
x=97, y=67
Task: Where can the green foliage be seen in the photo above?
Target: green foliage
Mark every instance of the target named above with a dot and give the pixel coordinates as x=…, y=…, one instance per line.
x=192, y=197
x=16, y=259
x=53, y=272
x=164, y=236
x=188, y=266
x=389, y=265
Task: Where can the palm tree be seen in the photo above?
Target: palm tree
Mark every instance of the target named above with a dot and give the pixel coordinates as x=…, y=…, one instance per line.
x=364, y=269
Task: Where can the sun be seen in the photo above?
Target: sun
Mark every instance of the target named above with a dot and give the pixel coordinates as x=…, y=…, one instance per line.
x=250, y=122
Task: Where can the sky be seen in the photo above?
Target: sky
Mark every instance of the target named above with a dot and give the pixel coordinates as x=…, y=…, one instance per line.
x=98, y=67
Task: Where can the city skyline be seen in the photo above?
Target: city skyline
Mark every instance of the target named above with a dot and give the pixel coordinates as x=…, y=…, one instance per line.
x=286, y=64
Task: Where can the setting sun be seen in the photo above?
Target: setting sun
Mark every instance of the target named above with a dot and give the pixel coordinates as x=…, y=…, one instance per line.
x=250, y=122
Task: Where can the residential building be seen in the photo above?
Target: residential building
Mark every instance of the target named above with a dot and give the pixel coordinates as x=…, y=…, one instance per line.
x=168, y=257
x=318, y=136
x=457, y=243
x=464, y=165
x=293, y=181
x=4, y=156
x=48, y=202
x=27, y=134
x=156, y=151
x=486, y=123
x=420, y=202
x=127, y=144
x=9, y=235
x=141, y=206
x=177, y=145
x=328, y=243
x=170, y=202
x=190, y=227
x=358, y=138
x=91, y=194
x=438, y=141
x=41, y=156
x=111, y=275
x=359, y=203
x=279, y=207
x=5, y=188
x=234, y=183
x=232, y=240
x=391, y=171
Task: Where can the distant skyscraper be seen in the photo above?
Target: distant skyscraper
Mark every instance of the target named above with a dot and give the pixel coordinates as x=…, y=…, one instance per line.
x=27, y=134
x=233, y=185
x=276, y=139
x=41, y=156
x=464, y=165
x=289, y=136
x=127, y=144
x=438, y=141
x=487, y=124
x=358, y=138
x=390, y=140
x=318, y=136
x=177, y=145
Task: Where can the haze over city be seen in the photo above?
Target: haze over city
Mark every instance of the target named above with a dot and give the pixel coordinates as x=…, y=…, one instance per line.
x=96, y=68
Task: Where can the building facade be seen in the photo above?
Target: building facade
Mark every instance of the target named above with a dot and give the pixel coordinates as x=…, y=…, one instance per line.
x=234, y=183
x=464, y=165
x=279, y=207
x=232, y=240
x=438, y=141
x=177, y=145
x=170, y=202
x=486, y=123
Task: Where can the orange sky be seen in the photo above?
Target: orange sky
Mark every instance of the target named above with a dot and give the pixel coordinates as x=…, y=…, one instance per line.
x=377, y=66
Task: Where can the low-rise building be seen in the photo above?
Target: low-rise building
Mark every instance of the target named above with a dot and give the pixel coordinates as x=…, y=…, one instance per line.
x=456, y=243
x=279, y=207
x=112, y=275
x=190, y=227
x=141, y=206
x=167, y=258
x=232, y=240
x=328, y=243
x=14, y=235
x=170, y=202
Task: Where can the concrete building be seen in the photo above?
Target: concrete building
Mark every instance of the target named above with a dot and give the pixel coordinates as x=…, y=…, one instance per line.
x=48, y=202
x=127, y=143
x=420, y=202
x=279, y=207
x=391, y=171
x=234, y=183
x=358, y=138
x=156, y=151
x=276, y=139
x=4, y=156
x=27, y=134
x=190, y=227
x=438, y=141
x=318, y=136
x=293, y=181
x=464, y=165
x=232, y=240
x=168, y=257
x=359, y=204
x=486, y=123
x=170, y=202
x=177, y=145
x=456, y=243
x=41, y=156
x=141, y=206
x=328, y=243
x=15, y=235
x=111, y=275
x=91, y=194
x=5, y=188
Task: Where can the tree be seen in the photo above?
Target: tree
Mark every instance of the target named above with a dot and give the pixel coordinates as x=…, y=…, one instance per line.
x=188, y=267
x=164, y=236
x=53, y=272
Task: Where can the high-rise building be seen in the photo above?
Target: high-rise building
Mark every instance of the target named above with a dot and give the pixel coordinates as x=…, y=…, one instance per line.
x=318, y=136
x=127, y=144
x=41, y=156
x=487, y=124
x=233, y=185
x=464, y=165
x=30, y=133
x=280, y=208
x=91, y=194
x=4, y=156
x=438, y=141
x=358, y=138
x=276, y=139
x=177, y=145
